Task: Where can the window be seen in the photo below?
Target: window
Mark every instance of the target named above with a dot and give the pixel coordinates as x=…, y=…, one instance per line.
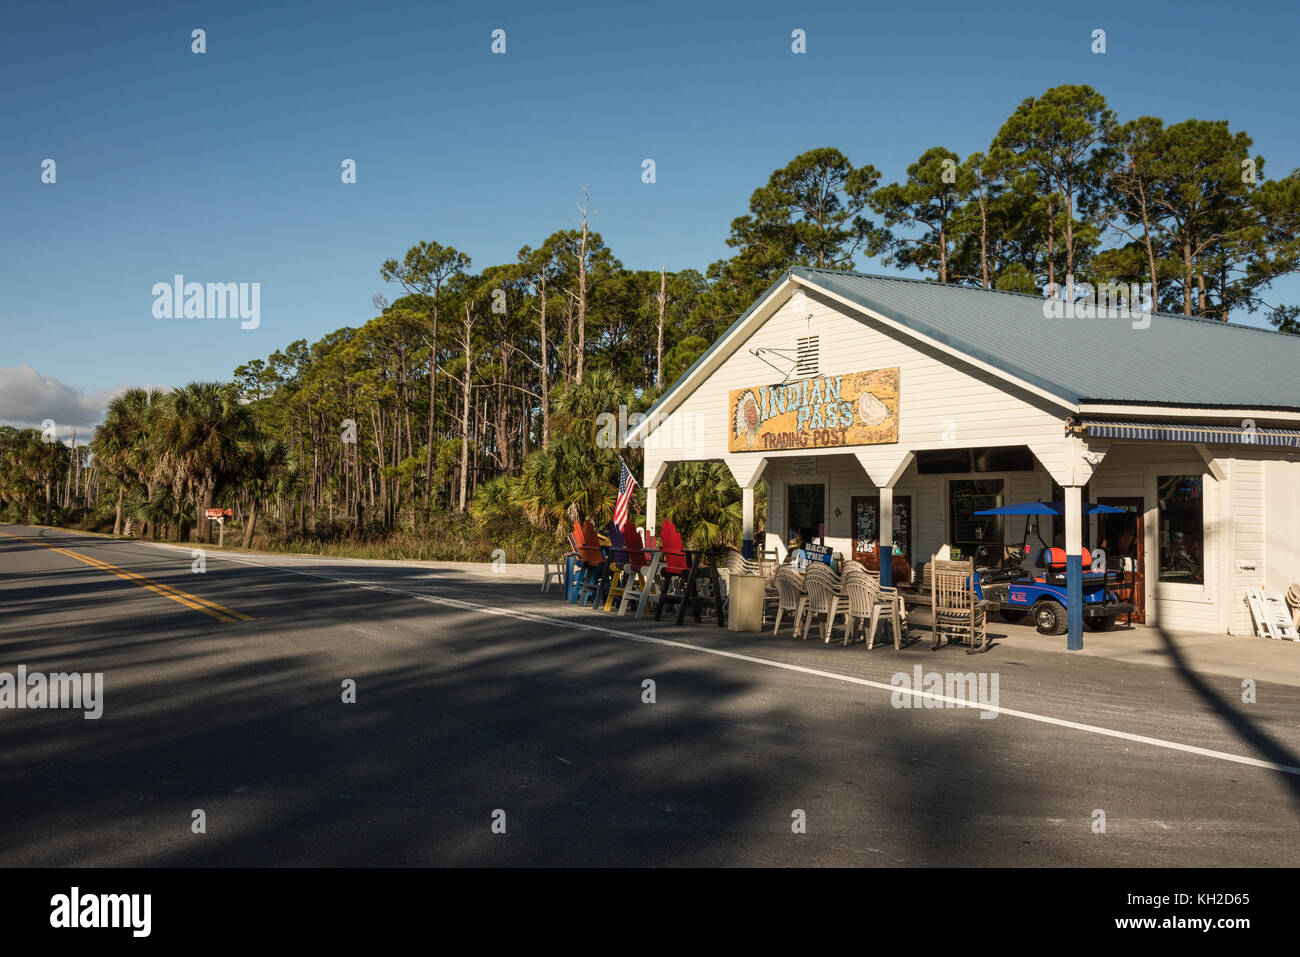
x=1181, y=523
x=805, y=513
x=978, y=536
x=939, y=461
x=808, y=361
x=1003, y=458
x=1008, y=458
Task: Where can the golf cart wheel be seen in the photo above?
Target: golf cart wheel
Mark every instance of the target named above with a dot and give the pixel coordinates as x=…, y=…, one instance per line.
x=1012, y=616
x=1101, y=623
x=1049, y=616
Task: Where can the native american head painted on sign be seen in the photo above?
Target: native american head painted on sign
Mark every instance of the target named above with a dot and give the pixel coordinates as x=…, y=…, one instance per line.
x=857, y=408
x=746, y=418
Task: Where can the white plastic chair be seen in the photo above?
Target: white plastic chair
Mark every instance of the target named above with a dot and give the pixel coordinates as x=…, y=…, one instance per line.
x=550, y=574
x=790, y=598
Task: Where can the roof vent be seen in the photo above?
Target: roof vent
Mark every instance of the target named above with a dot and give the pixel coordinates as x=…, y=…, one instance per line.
x=808, y=362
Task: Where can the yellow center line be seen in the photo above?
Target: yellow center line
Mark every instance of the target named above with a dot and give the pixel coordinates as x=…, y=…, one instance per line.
x=219, y=612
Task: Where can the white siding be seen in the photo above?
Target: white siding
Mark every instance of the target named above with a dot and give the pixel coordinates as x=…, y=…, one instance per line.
x=1132, y=468
x=1252, y=516
x=1244, y=537
x=1281, y=524
x=943, y=401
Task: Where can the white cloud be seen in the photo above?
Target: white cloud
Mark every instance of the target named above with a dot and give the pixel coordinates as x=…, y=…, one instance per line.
x=27, y=398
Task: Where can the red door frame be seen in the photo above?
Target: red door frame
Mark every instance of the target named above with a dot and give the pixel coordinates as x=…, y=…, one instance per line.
x=873, y=501
x=1138, y=595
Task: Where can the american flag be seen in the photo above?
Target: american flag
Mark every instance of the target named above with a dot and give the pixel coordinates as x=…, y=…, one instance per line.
x=626, y=486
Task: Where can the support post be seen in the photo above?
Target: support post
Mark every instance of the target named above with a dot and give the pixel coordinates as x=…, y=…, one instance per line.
x=651, y=495
x=747, y=511
x=747, y=472
x=887, y=536
x=1074, y=565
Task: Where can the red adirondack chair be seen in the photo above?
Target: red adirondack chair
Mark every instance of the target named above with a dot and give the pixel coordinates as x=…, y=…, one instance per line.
x=642, y=571
x=674, y=551
x=636, y=556
x=672, y=574
x=593, y=560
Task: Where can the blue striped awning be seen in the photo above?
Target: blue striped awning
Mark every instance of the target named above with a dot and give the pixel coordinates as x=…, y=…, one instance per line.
x=1245, y=434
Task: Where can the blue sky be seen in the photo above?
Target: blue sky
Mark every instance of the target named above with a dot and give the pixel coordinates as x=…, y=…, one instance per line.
x=225, y=166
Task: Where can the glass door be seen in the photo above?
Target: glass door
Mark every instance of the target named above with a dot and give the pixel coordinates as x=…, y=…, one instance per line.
x=866, y=525
x=1121, y=537
x=805, y=511
x=975, y=536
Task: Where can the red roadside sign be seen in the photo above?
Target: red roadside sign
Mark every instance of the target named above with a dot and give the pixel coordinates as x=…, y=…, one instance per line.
x=219, y=512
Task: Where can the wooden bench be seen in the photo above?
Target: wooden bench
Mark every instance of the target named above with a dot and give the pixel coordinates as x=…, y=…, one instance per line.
x=920, y=594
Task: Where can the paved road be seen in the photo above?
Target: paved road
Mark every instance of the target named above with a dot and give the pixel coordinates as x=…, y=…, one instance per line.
x=476, y=695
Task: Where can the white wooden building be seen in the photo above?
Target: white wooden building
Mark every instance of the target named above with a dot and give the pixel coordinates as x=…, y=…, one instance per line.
x=976, y=399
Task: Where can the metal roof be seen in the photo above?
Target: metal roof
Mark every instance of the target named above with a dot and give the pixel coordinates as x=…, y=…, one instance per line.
x=1175, y=360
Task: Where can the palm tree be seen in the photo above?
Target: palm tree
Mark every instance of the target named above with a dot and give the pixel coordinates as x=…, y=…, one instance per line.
x=581, y=403
x=567, y=482
x=703, y=500
x=202, y=435
x=162, y=511
x=122, y=445
x=270, y=467
x=40, y=464
x=17, y=484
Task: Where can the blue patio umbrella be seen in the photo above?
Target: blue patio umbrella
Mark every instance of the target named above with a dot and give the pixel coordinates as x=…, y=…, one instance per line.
x=1050, y=508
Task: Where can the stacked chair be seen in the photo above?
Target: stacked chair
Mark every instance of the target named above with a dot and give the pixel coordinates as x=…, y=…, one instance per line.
x=867, y=600
x=790, y=597
x=856, y=596
x=824, y=598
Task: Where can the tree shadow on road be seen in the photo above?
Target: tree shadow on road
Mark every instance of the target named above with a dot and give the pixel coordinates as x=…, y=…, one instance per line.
x=1249, y=731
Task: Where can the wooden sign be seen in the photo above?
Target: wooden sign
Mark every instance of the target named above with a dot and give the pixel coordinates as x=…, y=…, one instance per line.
x=858, y=408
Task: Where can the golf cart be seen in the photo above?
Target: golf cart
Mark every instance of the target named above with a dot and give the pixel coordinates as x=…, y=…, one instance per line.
x=1032, y=578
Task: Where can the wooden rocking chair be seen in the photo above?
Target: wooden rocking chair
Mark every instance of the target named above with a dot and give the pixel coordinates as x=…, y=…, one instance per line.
x=959, y=616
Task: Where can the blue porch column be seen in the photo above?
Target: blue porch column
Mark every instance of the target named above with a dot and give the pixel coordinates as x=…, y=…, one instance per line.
x=887, y=536
x=1074, y=565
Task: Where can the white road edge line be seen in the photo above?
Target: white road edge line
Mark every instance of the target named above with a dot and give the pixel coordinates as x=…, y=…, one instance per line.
x=718, y=652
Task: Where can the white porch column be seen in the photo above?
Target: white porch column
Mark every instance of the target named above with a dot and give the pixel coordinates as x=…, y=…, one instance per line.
x=887, y=515
x=655, y=472
x=887, y=536
x=747, y=526
x=885, y=466
x=1071, y=462
x=747, y=473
